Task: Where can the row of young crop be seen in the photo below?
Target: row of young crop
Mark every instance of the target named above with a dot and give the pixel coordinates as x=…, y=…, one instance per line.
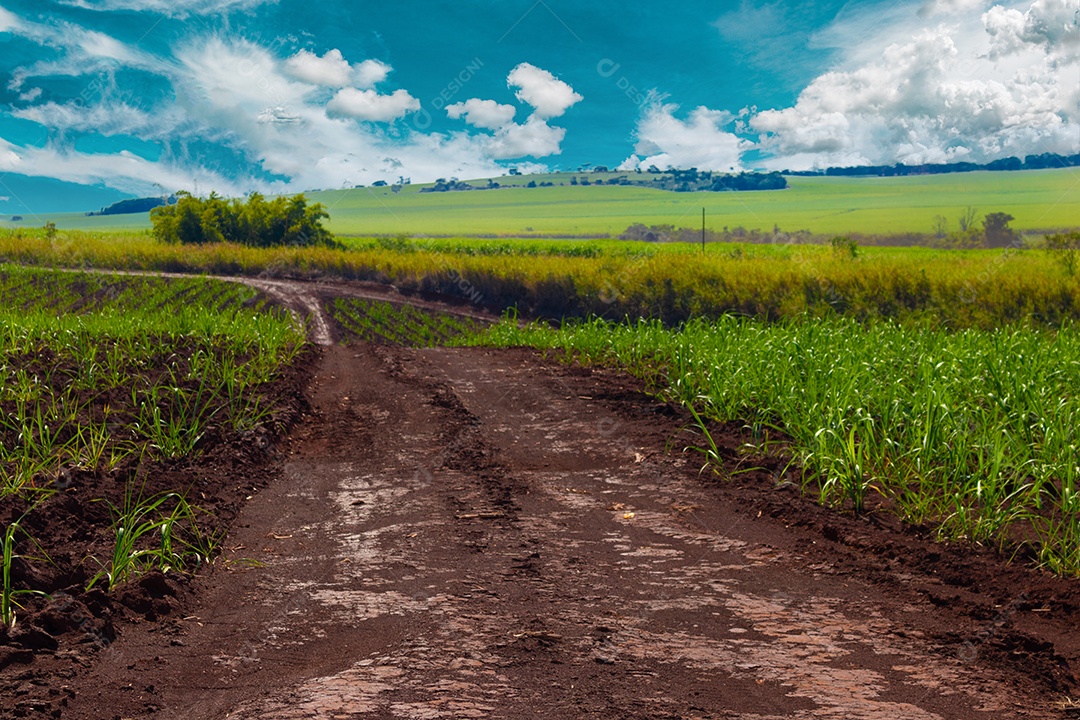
x=953, y=289
x=383, y=322
x=149, y=369
x=973, y=433
x=99, y=372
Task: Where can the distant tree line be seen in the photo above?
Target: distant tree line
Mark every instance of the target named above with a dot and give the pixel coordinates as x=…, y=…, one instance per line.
x=693, y=180
x=455, y=185
x=992, y=231
x=1042, y=161
x=675, y=180
x=256, y=222
x=130, y=207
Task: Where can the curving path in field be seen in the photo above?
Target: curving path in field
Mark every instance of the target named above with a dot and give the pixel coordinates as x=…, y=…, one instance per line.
x=463, y=533
x=306, y=300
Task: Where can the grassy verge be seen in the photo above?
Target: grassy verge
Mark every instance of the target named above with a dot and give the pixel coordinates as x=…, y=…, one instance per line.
x=972, y=433
x=955, y=289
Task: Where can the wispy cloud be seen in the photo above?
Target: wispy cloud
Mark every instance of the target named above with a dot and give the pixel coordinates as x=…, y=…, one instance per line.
x=9, y=21
x=107, y=118
x=123, y=171
x=299, y=121
x=82, y=51
x=764, y=34
x=171, y=8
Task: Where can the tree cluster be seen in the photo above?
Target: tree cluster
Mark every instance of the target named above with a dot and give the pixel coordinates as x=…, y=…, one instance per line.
x=694, y=180
x=1030, y=162
x=130, y=207
x=994, y=233
x=257, y=222
x=455, y=185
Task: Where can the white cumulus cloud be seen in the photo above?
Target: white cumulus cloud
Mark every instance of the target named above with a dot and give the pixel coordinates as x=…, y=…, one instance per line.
x=951, y=91
x=1046, y=24
x=550, y=96
x=276, y=123
x=700, y=141
x=486, y=114
x=238, y=95
x=371, y=106
x=330, y=70
x=334, y=71
x=370, y=73
x=533, y=137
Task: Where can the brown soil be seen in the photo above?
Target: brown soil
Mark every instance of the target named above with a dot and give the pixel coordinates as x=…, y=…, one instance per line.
x=458, y=533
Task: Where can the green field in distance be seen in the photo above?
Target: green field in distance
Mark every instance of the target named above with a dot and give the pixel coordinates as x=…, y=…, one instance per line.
x=1038, y=199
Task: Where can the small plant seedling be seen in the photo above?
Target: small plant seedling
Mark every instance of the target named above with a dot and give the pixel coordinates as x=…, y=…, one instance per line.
x=8, y=593
x=158, y=533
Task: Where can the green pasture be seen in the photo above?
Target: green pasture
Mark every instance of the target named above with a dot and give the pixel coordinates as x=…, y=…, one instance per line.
x=1038, y=199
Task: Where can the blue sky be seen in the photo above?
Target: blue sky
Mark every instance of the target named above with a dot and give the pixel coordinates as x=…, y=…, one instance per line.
x=103, y=99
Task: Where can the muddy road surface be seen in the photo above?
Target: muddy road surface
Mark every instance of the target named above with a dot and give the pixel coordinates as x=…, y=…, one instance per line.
x=468, y=533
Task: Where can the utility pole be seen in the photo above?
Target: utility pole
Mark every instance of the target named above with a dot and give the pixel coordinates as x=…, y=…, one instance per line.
x=702, y=229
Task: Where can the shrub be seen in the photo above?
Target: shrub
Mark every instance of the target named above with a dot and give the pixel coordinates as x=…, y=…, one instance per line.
x=1065, y=247
x=258, y=223
x=845, y=246
x=997, y=231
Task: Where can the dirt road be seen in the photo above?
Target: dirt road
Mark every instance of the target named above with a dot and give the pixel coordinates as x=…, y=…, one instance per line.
x=458, y=533
x=468, y=533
